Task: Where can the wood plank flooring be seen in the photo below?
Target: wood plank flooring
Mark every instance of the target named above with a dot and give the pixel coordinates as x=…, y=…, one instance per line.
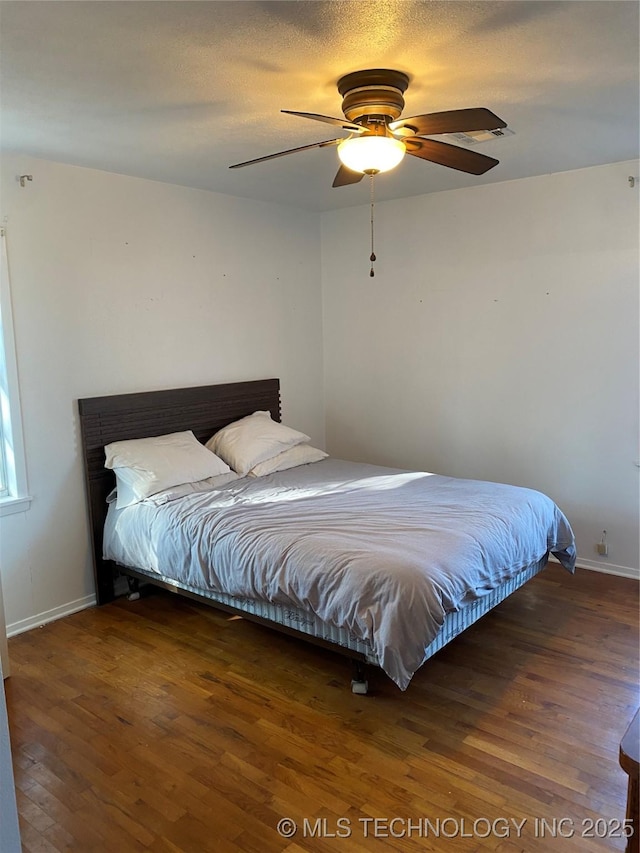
x=162, y=725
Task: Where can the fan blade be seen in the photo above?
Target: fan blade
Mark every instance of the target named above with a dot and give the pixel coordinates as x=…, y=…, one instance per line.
x=451, y=121
x=338, y=122
x=450, y=155
x=346, y=176
x=289, y=151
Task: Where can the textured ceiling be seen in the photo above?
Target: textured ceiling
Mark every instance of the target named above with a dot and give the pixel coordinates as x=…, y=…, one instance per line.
x=178, y=91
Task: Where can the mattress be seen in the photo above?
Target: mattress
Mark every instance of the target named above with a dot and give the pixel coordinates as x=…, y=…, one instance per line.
x=382, y=554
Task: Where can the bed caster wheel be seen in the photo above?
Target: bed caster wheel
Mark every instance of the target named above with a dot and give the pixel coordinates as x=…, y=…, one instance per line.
x=360, y=687
x=134, y=589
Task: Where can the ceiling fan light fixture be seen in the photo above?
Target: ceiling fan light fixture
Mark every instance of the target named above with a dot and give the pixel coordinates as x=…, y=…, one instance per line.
x=371, y=154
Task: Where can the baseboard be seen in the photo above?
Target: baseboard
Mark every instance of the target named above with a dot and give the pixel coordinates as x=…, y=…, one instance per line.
x=605, y=568
x=609, y=569
x=40, y=619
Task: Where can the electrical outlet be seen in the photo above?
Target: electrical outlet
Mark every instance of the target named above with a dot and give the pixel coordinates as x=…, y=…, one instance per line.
x=601, y=547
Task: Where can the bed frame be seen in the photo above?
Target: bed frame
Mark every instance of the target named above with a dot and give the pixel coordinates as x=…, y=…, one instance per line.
x=204, y=410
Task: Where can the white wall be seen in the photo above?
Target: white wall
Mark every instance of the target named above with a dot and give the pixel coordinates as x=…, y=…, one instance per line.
x=126, y=285
x=498, y=340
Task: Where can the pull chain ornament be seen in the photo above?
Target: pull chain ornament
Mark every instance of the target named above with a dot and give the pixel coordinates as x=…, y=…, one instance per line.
x=373, y=254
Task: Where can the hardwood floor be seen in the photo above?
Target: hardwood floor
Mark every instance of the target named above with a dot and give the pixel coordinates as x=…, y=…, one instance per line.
x=161, y=725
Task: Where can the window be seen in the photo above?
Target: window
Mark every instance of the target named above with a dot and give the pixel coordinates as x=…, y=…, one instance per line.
x=13, y=477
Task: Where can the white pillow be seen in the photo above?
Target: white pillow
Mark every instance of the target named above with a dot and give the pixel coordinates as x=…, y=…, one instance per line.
x=184, y=489
x=127, y=497
x=249, y=441
x=301, y=454
x=123, y=494
x=144, y=466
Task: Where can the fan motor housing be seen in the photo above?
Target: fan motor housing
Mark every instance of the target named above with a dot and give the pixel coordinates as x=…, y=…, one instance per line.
x=376, y=92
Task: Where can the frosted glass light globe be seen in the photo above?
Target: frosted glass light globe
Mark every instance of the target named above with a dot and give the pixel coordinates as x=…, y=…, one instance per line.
x=371, y=153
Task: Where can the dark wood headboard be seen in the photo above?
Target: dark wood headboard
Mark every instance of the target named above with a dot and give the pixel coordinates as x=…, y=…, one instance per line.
x=204, y=410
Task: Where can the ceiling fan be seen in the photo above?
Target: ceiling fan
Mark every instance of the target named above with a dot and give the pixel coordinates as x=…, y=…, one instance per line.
x=372, y=103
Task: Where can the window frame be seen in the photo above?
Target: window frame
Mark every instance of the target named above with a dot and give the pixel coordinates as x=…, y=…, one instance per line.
x=16, y=497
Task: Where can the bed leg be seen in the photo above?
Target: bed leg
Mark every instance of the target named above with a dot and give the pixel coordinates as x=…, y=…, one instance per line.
x=134, y=588
x=359, y=683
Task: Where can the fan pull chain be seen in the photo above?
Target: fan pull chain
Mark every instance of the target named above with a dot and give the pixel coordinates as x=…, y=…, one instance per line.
x=373, y=254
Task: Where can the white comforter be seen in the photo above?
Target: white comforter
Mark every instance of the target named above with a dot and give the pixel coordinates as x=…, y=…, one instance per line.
x=382, y=552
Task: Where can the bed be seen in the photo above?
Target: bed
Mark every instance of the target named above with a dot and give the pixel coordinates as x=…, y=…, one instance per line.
x=383, y=565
